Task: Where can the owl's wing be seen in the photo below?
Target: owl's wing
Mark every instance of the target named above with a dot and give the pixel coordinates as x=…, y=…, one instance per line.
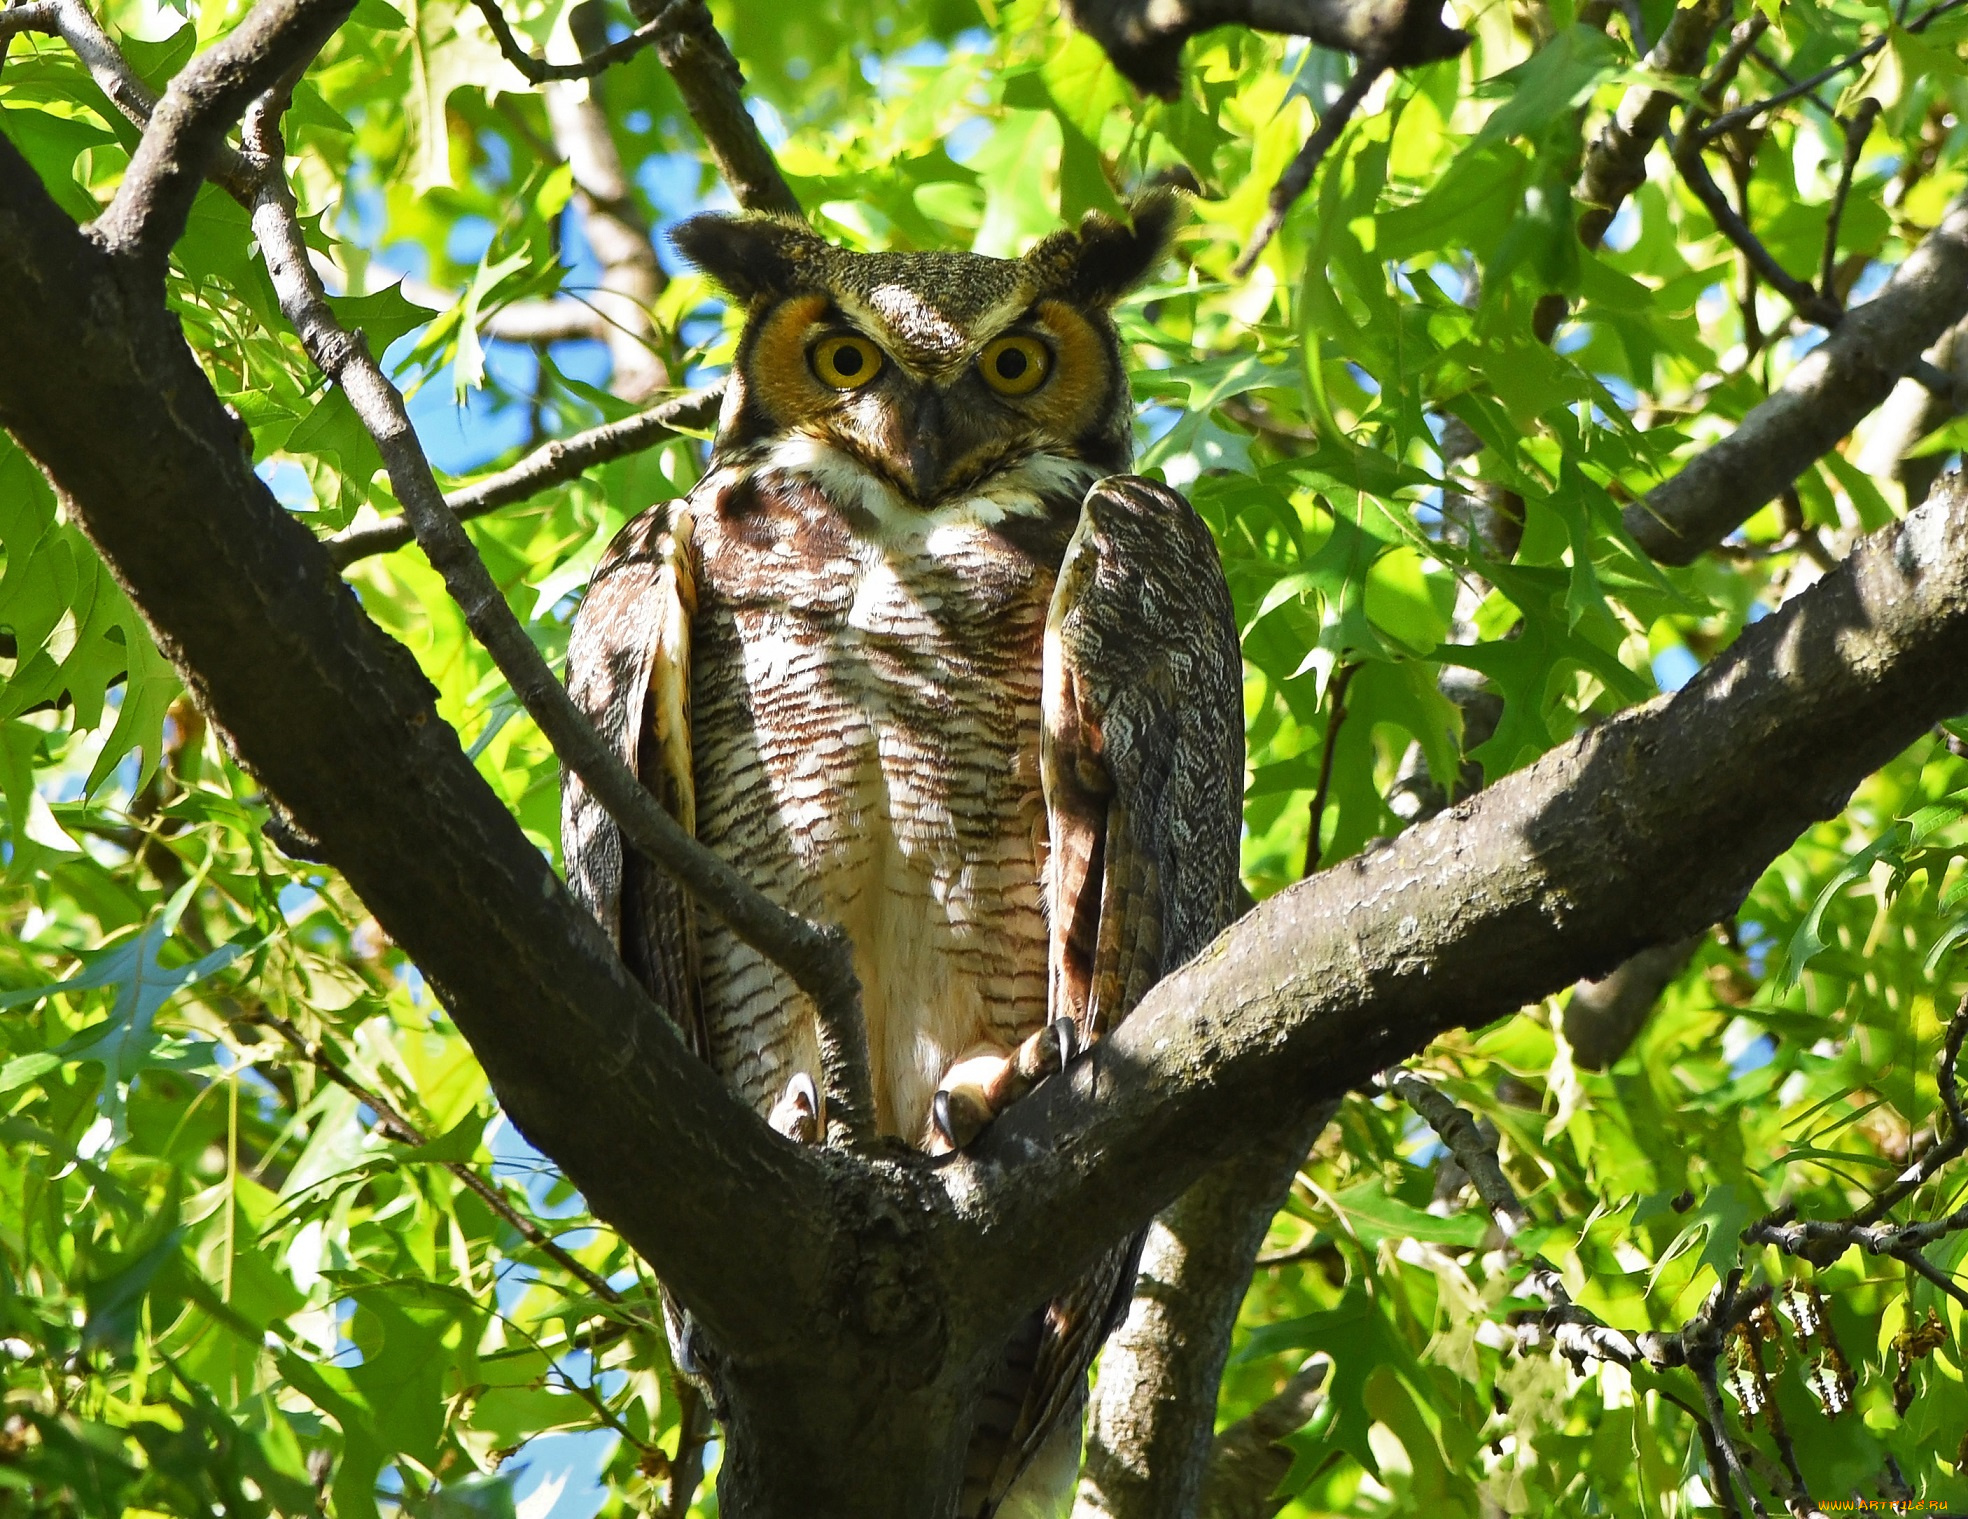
x=1142, y=750
x=628, y=669
x=1142, y=754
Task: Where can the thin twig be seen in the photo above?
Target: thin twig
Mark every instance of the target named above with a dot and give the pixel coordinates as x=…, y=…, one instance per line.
x=1951, y=1145
x=1762, y=56
x=695, y=1428
x=394, y=1125
x=1456, y=1128
x=553, y=463
x=1342, y=678
x=817, y=960
x=1812, y=305
x=1702, y=1340
x=1756, y=108
x=1298, y=174
x=1798, y=1497
x=538, y=71
x=1857, y=128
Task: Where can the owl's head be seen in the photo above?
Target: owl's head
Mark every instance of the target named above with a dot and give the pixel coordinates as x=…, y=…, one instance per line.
x=932, y=378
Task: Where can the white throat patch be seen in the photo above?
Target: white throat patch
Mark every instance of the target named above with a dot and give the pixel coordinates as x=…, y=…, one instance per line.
x=1020, y=491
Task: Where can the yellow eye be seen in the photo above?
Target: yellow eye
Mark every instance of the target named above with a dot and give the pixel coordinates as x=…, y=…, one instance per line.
x=1014, y=365
x=846, y=363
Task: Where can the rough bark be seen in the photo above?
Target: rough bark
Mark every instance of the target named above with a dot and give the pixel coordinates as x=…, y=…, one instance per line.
x=1248, y=1463
x=1145, y=37
x=1641, y=830
x=188, y=127
x=1153, y=1411
x=1822, y=399
x=339, y=723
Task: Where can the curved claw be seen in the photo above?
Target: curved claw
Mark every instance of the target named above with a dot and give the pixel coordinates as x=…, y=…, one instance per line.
x=1067, y=1033
x=797, y=1113
x=959, y=1116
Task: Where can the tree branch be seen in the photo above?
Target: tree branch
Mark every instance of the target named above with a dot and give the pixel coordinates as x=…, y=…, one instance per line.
x=75, y=24
x=712, y=87
x=1477, y=1156
x=395, y=1126
x=1144, y=37
x=1557, y=872
x=189, y=125
x=1342, y=680
x=337, y=721
x=538, y=71
x=1743, y=115
x=1821, y=399
x=1248, y=1462
x=553, y=463
x=1605, y=1016
x=1857, y=128
x=1298, y=173
x=617, y=232
x=1616, y=162
x=1154, y=1405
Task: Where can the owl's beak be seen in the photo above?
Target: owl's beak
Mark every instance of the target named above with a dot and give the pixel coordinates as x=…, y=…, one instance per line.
x=925, y=441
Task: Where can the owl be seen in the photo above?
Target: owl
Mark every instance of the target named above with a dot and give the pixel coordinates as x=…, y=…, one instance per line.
x=920, y=657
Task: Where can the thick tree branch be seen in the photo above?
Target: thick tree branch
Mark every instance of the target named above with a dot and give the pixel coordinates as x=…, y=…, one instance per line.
x=1153, y=1410
x=1913, y=411
x=338, y=722
x=553, y=463
x=1145, y=37
x=1604, y=1016
x=190, y=123
x=1557, y=872
x=1823, y=397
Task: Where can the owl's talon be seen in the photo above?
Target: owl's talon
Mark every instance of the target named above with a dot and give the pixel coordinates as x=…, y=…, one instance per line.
x=797, y=1113
x=960, y=1116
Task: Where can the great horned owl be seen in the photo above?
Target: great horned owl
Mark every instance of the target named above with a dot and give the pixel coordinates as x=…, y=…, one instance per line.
x=922, y=660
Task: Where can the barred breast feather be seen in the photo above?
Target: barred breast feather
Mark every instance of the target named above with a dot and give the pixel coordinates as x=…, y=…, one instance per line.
x=865, y=734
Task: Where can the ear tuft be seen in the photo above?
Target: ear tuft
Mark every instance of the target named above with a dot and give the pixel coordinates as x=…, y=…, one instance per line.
x=749, y=255
x=1105, y=258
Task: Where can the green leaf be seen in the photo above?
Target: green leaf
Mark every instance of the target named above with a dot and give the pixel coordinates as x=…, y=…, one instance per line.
x=1560, y=76
x=127, y=1041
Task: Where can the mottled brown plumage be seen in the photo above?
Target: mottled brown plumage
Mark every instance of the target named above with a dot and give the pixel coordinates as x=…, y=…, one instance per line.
x=920, y=659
